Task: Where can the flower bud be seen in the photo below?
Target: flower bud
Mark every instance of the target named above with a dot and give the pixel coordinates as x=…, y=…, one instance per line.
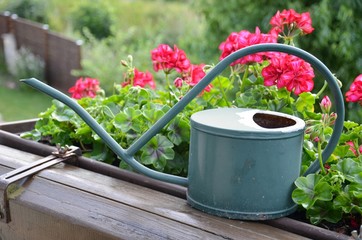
x=326, y=104
x=309, y=130
x=130, y=58
x=178, y=82
x=332, y=118
x=124, y=63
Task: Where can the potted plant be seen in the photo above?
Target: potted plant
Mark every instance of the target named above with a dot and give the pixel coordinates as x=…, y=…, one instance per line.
x=268, y=80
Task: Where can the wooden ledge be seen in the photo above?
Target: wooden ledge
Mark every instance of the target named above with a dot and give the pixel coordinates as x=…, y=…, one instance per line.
x=67, y=202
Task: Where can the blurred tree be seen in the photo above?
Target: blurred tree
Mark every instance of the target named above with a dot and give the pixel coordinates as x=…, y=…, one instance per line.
x=93, y=16
x=34, y=10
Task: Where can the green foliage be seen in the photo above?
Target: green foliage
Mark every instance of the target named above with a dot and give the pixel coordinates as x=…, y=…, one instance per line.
x=335, y=194
x=28, y=64
x=93, y=16
x=101, y=58
x=139, y=27
x=34, y=10
x=329, y=197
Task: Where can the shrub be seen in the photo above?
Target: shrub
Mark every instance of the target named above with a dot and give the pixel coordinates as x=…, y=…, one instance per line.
x=93, y=16
x=34, y=10
x=28, y=64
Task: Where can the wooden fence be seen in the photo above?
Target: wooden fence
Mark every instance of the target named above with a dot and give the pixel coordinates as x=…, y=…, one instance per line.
x=60, y=55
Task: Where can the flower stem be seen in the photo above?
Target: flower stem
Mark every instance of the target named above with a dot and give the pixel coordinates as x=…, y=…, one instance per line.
x=320, y=157
x=223, y=93
x=245, y=76
x=169, y=88
x=322, y=89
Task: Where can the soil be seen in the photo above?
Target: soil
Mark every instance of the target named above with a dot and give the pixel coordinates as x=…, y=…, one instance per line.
x=345, y=226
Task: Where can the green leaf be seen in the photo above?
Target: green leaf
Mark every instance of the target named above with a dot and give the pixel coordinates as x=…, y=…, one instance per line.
x=348, y=167
x=310, y=189
x=305, y=102
x=341, y=151
x=324, y=210
x=157, y=151
x=152, y=115
x=83, y=130
x=127, y=119
x=63, y=115
x=349, y=125
x=108, y=112
x=355, y=190
x=343, y=201
x=101, y=152
x=179, y=130
x=34, y=135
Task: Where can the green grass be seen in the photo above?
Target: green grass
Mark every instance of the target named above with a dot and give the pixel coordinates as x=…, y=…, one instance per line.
x=19, y=104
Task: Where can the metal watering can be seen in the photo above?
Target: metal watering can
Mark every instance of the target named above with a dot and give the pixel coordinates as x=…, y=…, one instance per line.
x=242, y=162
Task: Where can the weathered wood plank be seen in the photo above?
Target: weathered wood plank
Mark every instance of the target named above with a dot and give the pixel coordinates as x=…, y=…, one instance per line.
x=18, y=126
x=107, y=196
x=111, y=218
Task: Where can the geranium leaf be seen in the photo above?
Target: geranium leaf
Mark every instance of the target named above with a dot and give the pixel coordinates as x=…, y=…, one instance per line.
x=310, y=189
x=324, y=210
x=157, y=151
x=349, y=168
x=179, y=130
x=127, y=119
x=305, y=102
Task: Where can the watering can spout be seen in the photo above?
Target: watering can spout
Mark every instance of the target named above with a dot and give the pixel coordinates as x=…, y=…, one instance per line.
x=112, y=144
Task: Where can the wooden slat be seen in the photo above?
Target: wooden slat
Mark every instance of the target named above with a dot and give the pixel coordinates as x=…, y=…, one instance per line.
x=123, y=209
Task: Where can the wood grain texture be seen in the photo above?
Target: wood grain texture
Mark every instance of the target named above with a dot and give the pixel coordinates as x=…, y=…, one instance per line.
x=73, y=203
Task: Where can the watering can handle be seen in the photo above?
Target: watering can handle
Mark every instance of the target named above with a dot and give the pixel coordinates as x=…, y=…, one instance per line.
x=127, y=154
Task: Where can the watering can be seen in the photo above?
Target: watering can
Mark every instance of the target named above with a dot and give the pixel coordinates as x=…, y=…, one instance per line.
x=242, y=162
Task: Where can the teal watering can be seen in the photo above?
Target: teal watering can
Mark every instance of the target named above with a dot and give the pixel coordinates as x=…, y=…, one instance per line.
x=242, y=162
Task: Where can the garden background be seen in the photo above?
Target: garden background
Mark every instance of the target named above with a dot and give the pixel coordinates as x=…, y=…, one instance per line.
x=113, y=29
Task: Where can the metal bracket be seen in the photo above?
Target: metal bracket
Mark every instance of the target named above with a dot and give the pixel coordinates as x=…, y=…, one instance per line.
x=355, y=234
x=6, y=179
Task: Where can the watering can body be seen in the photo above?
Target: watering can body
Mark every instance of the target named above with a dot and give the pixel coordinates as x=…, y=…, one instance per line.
x=238, y=167
x=241, y=170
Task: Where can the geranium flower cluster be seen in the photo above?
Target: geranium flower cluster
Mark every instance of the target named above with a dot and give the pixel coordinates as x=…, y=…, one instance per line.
x=354, y=93
x=289, y=21
x=167, y=59
x=84, y=87
x=138, y=78
x=284, y=70
x=236, y=41
x=290, y=72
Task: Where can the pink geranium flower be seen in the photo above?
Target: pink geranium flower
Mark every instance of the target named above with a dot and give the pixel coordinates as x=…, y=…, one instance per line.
x=84, y=87
x=165, y=58
x=194, y=75
x=290, y=72
x=353, y=149
x=236, y=41
x=140, y=79
x=354, y=93
x=290, y=20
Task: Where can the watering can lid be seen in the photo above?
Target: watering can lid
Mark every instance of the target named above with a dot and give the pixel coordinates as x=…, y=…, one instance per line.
x=239, y=122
